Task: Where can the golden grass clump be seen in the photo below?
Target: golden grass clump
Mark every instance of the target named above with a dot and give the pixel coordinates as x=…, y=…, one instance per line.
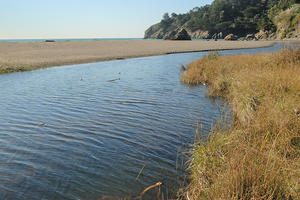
x=259, y=157
x=6, y=69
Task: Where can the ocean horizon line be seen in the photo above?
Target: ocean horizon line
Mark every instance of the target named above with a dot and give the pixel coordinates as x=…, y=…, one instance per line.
x=66, y=39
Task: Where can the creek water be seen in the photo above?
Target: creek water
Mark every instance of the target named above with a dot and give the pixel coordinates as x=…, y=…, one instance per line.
x=70, y=133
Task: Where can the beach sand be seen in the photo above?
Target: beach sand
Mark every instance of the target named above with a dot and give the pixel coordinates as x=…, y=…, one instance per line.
x=32, y=55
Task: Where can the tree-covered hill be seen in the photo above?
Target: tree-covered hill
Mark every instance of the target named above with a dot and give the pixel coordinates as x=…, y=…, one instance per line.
x=239, y=17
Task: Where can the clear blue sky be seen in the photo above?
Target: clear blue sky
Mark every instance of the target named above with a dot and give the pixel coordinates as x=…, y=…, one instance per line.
x=85, y=18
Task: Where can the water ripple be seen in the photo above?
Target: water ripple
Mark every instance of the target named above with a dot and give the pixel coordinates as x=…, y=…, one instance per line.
x=62, y=138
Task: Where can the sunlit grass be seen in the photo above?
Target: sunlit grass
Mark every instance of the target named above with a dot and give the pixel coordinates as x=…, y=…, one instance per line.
x=259, y=157
x=5, y=69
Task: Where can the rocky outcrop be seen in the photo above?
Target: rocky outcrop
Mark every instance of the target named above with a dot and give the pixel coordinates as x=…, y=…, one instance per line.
x=170, y=35
x=250, y=37
x=231, y=37
x=261, y=35
x=220, y=35
x=159, y=34
x=155, y=32
x=199, y=34
x=182, y=35
x=288, y=23
x=179, y=34
x=215, y=36
x=282, y=21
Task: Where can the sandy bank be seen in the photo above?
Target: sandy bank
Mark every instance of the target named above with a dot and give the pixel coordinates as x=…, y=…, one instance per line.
x=29, y=55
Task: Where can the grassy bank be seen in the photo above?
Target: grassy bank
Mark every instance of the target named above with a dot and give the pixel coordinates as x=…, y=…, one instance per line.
x=259, y=156
x=6, y=69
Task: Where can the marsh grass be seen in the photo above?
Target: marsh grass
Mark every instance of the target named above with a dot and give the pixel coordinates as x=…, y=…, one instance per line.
x=256, y=158
x=6, y=69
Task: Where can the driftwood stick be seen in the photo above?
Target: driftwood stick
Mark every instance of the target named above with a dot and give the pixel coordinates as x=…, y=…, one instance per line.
x=149, y=188
x=116, y=79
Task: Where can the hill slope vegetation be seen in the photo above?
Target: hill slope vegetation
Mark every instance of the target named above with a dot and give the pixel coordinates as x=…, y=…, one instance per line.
x=238, y=17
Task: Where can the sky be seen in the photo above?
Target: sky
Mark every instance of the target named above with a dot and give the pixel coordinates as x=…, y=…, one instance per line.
x=28, y=19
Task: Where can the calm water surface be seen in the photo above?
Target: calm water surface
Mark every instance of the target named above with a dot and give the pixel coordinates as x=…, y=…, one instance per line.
x=66, y=39
x=68, y=133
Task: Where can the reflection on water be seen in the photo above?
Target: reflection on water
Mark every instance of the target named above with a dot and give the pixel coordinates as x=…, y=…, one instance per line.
x=69, y=133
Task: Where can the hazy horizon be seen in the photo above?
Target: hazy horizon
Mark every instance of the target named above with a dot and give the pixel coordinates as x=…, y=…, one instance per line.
x=33, y=19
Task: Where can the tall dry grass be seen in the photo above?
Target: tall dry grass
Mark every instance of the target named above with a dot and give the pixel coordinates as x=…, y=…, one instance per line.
x=259, y=157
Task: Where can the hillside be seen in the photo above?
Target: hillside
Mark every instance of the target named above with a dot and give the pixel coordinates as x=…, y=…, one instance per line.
x=288, y=22
x=268, y=18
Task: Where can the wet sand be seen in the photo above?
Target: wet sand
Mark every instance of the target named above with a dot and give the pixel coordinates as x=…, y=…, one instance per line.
x=32, y=55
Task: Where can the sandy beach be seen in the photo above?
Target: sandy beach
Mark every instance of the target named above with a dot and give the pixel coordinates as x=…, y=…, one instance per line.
x=32, y=55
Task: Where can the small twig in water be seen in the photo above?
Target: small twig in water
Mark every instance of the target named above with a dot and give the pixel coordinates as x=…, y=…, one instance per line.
x=140, y=172
x=150, y=187
x=117, y=79
x=42, y=124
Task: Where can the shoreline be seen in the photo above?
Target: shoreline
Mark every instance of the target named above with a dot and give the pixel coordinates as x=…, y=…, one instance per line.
x=258, y=157
x=18, y=57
